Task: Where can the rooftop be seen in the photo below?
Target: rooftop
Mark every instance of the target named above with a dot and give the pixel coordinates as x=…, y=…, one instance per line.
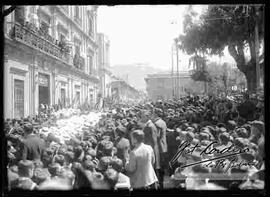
x=168, y=75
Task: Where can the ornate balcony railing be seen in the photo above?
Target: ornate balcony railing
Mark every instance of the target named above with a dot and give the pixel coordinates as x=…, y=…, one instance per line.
x=34, y=37
x=78, y=20
x=65, y=8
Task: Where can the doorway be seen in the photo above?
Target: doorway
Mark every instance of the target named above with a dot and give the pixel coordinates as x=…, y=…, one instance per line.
x=44, y=90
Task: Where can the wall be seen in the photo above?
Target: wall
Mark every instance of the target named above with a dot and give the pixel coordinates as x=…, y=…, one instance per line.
x=25, y=62
x=161, y=87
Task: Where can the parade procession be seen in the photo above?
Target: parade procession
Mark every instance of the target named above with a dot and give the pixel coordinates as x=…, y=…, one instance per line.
x=71, y=122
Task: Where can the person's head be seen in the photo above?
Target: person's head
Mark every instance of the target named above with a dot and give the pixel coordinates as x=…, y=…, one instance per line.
x=104, y=163
x=89, y=165
x=146, y=115
x=111, y=176
x=137, y=137
x=67, y=174
x=224, y=138
x=38, y=164
x=28, y=128
x=257, y=128
x=117, y=164
x=40, y=175
x=121, y=130
x=26, y=168
x=54, y=169
x=246, y=96
x=98, y=181
x=59, y=159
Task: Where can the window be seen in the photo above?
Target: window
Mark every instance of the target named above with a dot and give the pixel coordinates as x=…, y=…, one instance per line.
x=160, y=83
x=18, y=98
x=91, y=97
x=77, y=49
x=78, y=97
x=20, y=14
x=90, y=27
x=44, y=26
x=62, y=37
x=63, y=96
x=77, y=12
x=90, y=64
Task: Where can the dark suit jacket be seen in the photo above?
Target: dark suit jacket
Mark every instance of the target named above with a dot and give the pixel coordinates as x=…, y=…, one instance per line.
x=33, y=147
x=151, y=138
x=123, y=146
x=162, y=129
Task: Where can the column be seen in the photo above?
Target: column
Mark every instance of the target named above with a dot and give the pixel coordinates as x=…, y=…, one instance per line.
x=35, y=87
x=54, y=88
x=7, y=89
x=53, y=24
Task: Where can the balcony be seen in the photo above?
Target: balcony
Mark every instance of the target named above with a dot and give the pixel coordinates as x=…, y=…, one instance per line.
x=65, y=9
x=78, y=20
x=78, y=61
x=32, y=36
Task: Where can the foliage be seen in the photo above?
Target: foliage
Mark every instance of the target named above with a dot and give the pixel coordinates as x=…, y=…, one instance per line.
x=221, y=26
x=201, y=75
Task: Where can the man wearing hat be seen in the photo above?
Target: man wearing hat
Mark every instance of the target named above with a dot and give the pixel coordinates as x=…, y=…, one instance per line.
x=121, y=143
x=26, y=172
x=163, y=148
x=33, y=146
x=140, y=163
x=151, y=137
x=247, y=108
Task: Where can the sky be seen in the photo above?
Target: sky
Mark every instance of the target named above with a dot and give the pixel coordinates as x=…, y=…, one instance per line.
x=144, y=34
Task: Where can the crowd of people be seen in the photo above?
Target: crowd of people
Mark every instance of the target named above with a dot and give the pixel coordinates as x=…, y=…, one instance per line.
x=136, y=147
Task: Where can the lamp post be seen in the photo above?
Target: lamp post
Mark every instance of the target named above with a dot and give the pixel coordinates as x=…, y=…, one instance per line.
x=172, y=76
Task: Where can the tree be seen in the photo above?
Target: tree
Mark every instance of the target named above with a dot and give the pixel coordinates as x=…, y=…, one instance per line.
x=226, y=26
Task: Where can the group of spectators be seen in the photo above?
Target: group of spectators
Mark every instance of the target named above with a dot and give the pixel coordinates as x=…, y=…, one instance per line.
x=135, y=147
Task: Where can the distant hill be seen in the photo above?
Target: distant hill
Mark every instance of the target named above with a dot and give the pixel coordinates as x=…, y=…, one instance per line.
x=135, y=74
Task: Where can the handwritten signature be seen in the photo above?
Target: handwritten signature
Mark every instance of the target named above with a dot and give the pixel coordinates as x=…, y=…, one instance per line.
x=186, y=149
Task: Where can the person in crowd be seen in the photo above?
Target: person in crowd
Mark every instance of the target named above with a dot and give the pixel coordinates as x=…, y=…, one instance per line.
x=123, y=181
x=99, y=157
x=121, y=143
x=33, y=145
x=140, y=163
x=26, y=172
x=247, y=108
x=162, y=144
x=151, y=137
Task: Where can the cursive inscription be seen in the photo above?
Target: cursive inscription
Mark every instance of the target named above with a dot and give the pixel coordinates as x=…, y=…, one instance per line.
x=186, y=149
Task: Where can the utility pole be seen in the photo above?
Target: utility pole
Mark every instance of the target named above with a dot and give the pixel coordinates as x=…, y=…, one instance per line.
x=172, y=76
x=257, y=49
x=177, y=68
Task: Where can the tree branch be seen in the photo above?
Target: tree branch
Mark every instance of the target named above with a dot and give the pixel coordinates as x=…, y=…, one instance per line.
x=241, y=54
x=251, y=44
x=240, y=60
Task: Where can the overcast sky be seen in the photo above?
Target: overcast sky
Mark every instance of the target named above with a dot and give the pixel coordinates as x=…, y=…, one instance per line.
x=144, y=34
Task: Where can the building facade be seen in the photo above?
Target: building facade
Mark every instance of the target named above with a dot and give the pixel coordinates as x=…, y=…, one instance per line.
x=50, y=58
x=104, y=65
x=164, y=86
x=122, y=91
